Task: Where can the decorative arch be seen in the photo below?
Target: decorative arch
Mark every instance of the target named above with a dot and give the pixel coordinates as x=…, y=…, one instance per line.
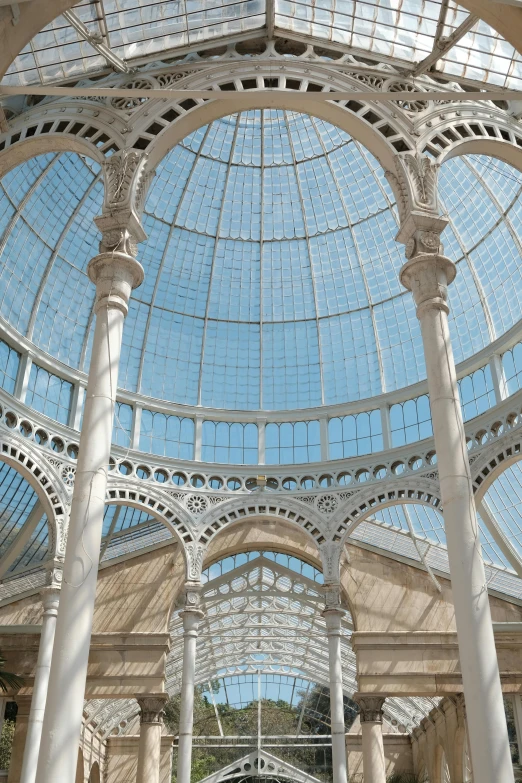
x=489, y=465
x=44, y=476
x=282, y=537
x=374, y=126
x=156, y=503
x=476, y=136
x=363, y=504
x=270, y=507
x=21, y=145
x=94, y=775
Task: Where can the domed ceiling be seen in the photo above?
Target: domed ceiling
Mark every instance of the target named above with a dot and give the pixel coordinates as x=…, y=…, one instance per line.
x=271, y=269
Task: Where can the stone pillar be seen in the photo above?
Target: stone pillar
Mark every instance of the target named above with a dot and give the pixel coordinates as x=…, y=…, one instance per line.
x=427, y=274
x=191, y=616
x=374, y=765
x=50, y=599
x=149, y=748
x=333, y=615
x=115, y=273
x=20, y=738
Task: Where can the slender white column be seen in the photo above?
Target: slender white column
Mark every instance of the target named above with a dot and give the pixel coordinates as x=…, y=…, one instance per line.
x=332, y=618
x=19, y=739
x=374, y=764
x=427, y=275
x=50, y=599
x=191, y=619
x=115, y=274
x=149, y=748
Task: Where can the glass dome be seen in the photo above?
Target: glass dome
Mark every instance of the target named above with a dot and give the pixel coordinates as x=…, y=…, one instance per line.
x=271, y=268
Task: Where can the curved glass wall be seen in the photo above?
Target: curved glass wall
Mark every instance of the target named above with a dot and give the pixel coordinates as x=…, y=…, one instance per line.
x=271, y=268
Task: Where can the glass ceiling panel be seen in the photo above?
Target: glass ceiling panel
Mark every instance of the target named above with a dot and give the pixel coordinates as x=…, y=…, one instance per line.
x=271, y=267
x=142, y=31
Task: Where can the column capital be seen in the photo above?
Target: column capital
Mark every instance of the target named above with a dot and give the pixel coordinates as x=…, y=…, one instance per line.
x=126, y=181
x=414, y=182
x=115, y=274
x=427, y=276
x=152, y=706
x=50, y=599
x=371, y=708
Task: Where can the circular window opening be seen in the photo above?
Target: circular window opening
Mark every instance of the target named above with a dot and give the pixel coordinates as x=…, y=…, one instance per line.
x=26, y=429
x=289, y=483
x=143, y=472
x=251, y=484
x=272, y=484
x=72, y=450
x=197, y=481
x=344, y=478
x=179, y=479
x=326, y=480
x=307, y=482
x=161, y=476
x=10, y=420
x=215, y=482
x=57, y=445
x=125, y=468
x=234, y=484
x=362, y=475
x=41, y=437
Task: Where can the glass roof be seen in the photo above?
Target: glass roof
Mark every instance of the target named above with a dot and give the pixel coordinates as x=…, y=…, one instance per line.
x=136, y=31
x=263, y=614
x=271, y=269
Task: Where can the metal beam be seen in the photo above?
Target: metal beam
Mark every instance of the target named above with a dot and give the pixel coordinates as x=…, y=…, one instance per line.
x=97, y=43
x=444, y=45
x=270, y=18
x=21, y=539
x=304, y=97
x=499, y=538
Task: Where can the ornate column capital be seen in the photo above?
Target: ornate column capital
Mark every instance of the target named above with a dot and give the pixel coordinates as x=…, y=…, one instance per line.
x=50, y=599
x=427, y=276
x=192, y=613
x=115, y=271
x=370, y=708
x=115, y=274
x=333, y=612
x=152, y=706
x=126, y=182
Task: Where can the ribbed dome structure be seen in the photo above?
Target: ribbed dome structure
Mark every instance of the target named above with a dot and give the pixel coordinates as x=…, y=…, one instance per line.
x=271, y=266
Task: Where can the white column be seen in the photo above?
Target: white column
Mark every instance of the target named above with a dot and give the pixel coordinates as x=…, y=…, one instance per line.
x=149, y=748
x=198, y=431
x=427, y=275
x=22, y=378
x=498, y=378
x=386, y=427
x=333, y=618
x=325, y=444
x=191, y=619
x=50, y=599
x=374, y=764
x=115, y=273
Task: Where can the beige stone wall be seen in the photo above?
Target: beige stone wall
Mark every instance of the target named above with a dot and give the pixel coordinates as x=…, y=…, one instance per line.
x=251, y=535
x=122, y=759
x=138, y=594
x=387, y=595
x=397, y=752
